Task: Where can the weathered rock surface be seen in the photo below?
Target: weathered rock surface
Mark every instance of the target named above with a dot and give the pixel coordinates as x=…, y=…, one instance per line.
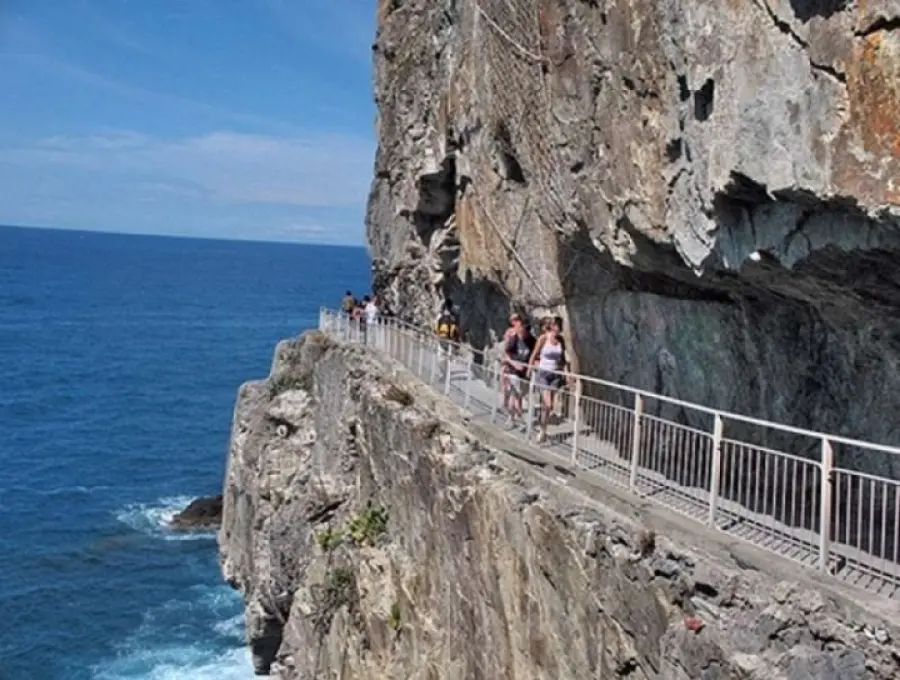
x=707, y=191
x=374, y=537
x=201, y=513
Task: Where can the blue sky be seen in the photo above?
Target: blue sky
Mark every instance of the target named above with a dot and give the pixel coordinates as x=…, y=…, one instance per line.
x=222, y=118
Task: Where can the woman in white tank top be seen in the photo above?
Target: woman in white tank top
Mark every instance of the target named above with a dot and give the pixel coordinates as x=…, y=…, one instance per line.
x=550, y=361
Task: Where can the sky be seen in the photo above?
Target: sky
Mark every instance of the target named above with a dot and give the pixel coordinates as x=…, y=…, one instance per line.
x=244, y=119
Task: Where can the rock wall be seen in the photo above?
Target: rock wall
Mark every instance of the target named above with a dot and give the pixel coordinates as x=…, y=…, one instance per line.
x=708, y=192
x=375, y=533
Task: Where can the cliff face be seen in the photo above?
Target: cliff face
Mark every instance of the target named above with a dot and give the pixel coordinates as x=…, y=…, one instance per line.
x=375, y=534
x=707, y=191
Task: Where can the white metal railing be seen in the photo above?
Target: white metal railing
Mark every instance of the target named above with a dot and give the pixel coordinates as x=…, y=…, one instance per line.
x=776, y=486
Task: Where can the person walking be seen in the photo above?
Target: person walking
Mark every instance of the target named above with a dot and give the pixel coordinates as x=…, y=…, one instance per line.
x=504, y=365
x=517, y=353
x=348, y=303
x=370, y=316
x=551, y=363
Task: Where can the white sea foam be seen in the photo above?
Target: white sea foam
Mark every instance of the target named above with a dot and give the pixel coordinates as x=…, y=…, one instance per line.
x=154, y=519
x=179, y=663
x=232, y=628
x=158, y=650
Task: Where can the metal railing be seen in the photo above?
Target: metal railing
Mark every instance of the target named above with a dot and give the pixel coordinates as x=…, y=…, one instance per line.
x=773, y=485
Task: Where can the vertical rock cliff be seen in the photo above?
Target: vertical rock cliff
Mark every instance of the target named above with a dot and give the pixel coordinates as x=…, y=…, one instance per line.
x=707, y=191
x=376, y=534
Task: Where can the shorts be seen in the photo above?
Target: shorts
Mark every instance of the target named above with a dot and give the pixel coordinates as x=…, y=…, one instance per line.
x=516, y=384
x=549, y=380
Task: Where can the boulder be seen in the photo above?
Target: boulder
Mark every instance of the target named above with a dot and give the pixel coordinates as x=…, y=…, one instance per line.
x=202, y=513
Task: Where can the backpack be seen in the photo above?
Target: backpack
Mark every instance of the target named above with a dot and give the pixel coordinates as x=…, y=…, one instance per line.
x=348, y=303
x=447, y=327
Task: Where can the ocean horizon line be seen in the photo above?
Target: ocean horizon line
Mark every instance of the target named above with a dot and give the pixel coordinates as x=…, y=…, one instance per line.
x=183, y=237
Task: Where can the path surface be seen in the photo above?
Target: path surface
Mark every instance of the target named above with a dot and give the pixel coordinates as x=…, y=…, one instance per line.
x=609, y=457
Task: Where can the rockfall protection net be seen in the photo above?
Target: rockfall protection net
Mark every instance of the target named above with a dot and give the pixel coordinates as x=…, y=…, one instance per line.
x=509, y=38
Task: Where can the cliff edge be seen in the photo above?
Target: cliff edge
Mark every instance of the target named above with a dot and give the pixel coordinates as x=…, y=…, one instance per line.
x=708, y=192
x=375, y=533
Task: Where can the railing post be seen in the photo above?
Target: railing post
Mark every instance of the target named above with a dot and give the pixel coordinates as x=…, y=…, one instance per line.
x=716, y=471
x=495, y=402
x=447, y=362
x=432, y=366
x=577, y=407
x=423, y=347
x=529, y=419
x=825, y=503
x=636, y=440
x=469, y=368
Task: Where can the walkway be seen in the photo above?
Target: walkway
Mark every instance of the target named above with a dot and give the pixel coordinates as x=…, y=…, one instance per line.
x=677, y=454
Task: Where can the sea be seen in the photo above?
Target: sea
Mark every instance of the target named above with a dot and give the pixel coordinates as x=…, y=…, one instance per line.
x=120, y=359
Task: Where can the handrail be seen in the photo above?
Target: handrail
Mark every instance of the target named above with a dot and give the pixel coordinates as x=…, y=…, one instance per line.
x=806, y=509
x=709, y=410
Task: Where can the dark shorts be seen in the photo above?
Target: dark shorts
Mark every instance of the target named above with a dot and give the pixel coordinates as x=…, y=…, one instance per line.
x=549, y=380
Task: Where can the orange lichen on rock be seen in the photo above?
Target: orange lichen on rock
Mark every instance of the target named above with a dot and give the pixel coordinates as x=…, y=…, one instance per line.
x=874, y=88
x=868, y=152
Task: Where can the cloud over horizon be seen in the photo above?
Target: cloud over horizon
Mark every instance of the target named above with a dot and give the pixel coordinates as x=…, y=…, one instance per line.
x=187, y=119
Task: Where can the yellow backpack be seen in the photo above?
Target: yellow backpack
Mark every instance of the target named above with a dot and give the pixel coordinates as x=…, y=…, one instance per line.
x=446, y=327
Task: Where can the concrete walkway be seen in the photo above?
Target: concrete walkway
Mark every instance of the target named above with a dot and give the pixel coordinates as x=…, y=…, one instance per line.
x=609, y=457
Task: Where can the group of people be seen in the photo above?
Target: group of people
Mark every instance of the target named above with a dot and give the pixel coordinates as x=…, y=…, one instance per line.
x=523, y=355
x=545, y=356
x=364, y=311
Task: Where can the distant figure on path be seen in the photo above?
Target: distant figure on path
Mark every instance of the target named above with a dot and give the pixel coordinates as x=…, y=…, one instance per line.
x=447, y=324
x=367, y=313
x=348, y=303
x=371, y=310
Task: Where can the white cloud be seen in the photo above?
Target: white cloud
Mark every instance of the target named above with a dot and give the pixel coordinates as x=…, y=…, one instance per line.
x=317, y=170
x=303, y=230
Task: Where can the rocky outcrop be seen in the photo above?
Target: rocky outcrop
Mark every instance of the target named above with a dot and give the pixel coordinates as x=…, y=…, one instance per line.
x=201, y=513
x=375, y=533
x=708, y=192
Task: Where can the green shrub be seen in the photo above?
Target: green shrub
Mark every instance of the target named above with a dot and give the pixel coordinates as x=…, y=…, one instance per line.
x=369, y=525
x=339, y=586
x=394, y=616
x=329, y=539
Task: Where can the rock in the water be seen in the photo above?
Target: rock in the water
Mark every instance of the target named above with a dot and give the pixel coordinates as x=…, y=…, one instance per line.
x=202, y=513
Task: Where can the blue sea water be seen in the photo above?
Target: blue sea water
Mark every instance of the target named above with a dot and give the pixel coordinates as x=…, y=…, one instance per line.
x=120, y=358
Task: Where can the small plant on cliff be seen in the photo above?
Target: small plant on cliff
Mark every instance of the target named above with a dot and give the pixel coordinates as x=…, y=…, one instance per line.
x=339, y=586
x=329, y=539
x=285, y=383
x=338, y=590
x=394, y=617
x=369, y=525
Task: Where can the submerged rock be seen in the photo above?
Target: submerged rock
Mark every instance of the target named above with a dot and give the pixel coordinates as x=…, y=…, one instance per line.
x=201, y=513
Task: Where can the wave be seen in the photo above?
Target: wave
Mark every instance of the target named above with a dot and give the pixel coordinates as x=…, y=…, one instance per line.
x=180, y=662
x=154, y=519
x=196, y=638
